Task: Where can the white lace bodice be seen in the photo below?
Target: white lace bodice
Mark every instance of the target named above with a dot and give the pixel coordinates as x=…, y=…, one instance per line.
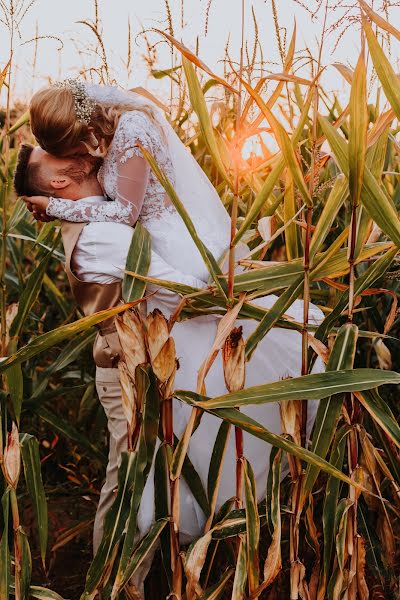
x=136, y=193
x=126, y=178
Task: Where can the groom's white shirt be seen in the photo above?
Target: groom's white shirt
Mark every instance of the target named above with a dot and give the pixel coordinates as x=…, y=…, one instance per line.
x=101, y=251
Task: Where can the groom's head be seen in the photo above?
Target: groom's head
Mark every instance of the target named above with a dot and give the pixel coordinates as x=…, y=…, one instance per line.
x=38, y=173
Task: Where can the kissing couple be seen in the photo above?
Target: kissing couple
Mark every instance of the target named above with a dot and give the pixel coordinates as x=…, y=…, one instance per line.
x=90, y=172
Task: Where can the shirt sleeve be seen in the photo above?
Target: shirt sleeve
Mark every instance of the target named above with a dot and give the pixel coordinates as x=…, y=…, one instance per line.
x=160, y=269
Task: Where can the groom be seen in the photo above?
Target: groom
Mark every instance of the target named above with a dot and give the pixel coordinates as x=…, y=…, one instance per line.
x=95, y=254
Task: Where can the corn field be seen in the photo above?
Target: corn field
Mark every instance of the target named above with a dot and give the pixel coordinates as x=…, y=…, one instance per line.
x=318, y=206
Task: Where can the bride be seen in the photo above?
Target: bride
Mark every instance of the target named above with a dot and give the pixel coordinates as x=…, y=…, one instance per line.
x=77, y=118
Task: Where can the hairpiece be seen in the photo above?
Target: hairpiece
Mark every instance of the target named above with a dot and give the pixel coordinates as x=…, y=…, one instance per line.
x=84, y=105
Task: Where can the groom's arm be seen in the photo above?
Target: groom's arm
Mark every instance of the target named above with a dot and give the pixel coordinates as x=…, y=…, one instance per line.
x=160, y=269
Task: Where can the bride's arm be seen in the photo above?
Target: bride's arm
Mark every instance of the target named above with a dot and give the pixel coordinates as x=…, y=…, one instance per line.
x=132, y=180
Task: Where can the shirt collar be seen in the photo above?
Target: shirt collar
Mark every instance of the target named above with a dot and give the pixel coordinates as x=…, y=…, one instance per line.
x=92, y=198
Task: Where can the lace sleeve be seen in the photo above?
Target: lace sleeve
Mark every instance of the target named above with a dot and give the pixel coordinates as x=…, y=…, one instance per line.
x=132, y=177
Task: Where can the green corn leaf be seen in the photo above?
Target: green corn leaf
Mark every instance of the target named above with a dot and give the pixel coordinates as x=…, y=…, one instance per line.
x=239, y=419
x=33, y=478
x=26, y=564
x=56, y=296
x=367, y=279
x=19, y=212
x=23, y=120
x=194, y=483
x=145, y=546
x=292, y=238
x=216, y=466
x=161, y=506
x=330, y=506
x=148, y=397
x=15, y=385
x=43, y=593
x=341, y=357
x=68, y=355
x=114, y=524
x=208, y=258
x=5, y=559
x=277, y=276
x=200, y=107
x=307, y=387
x=331, y=208
x=88, y=402
x=138, y=261
x=373, y=544
x=386, y=74
x=376, y=202
x=29, y=295
x=231, y=526
x=239, y=582
x=161, y=73
x=252, y=527
x=68, y=430
x=284, y=301
x=380, y=413
x=215, y=591
x=341, y=518
x=56, y=336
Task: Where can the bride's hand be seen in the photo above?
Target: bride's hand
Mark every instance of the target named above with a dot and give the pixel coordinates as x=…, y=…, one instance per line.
x=38, y=203
x=37, y=208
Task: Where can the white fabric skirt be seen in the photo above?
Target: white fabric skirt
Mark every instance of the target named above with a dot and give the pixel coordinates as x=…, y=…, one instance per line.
x=277, y=356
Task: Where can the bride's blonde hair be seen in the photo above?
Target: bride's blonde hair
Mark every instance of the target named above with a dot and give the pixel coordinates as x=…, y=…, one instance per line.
x=58, y=130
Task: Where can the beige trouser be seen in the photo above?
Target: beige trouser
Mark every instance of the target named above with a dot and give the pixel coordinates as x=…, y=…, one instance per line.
x=109, y=392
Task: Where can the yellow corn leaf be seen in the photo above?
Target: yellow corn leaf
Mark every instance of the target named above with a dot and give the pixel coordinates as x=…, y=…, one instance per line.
x=284, y=142
x=381, y=124
x=289, y=78
x=345, y=71
x=263, y=196
x=23, y=120
x=199, y=106
x=332, y=206
x=292, y=239
x=286, y=68
x=357, y=146
x=194, y=59
x=378, y=20
x=3, y=74
x=386, y=74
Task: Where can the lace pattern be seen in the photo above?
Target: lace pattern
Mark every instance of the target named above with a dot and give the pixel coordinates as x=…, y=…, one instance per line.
x=82, y=212
x=133, y=127
x=126, y=177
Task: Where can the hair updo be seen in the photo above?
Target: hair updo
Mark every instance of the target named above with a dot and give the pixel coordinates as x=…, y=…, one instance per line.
x=58, y=130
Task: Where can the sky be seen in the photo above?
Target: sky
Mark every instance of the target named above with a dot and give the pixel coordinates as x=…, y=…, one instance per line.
x=55, y=20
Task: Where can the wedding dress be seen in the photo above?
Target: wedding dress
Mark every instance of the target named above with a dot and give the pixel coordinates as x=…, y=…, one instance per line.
x=137, y=193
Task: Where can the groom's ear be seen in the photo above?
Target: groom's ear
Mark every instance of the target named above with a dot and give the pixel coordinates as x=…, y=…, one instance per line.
x=60, y=182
